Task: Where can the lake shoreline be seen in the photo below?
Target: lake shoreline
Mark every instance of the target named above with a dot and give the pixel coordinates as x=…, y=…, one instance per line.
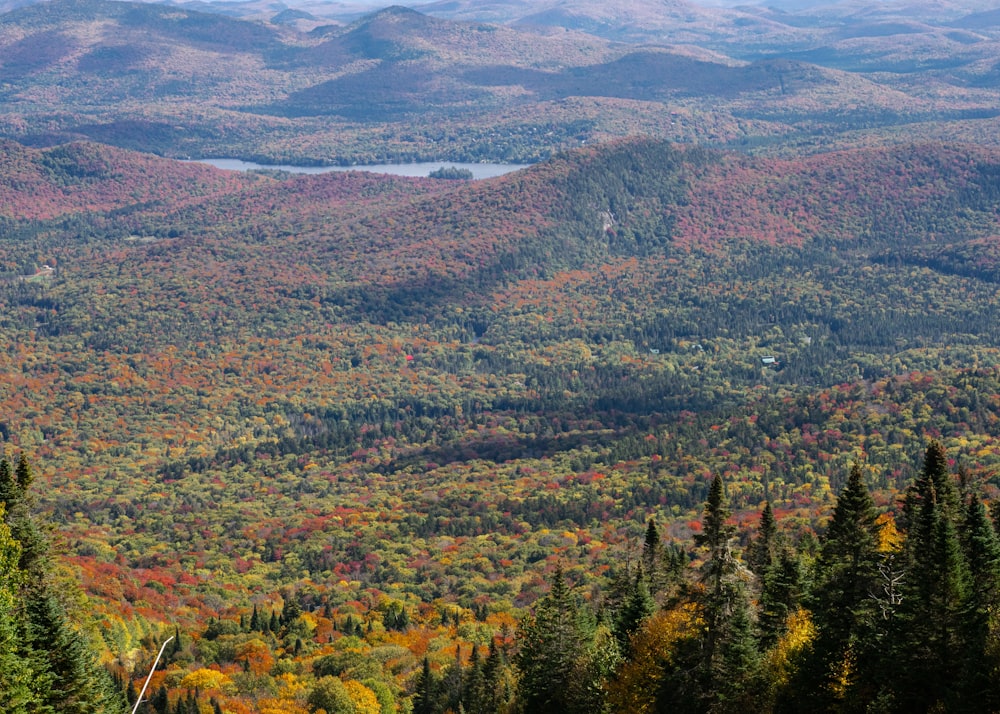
x=416, y=170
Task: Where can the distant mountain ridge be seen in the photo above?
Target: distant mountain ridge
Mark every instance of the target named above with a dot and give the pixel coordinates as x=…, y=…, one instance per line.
x=404, y=84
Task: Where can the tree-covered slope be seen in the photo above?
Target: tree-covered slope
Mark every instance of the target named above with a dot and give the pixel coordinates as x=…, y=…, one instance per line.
x=373, y=395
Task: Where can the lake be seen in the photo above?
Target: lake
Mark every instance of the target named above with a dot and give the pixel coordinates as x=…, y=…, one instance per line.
x=479, y=171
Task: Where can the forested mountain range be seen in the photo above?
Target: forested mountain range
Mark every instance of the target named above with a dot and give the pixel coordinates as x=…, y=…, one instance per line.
x=404, y=84
x=398, y=404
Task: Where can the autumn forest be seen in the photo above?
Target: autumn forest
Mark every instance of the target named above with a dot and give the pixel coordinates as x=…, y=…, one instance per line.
x=665, y=422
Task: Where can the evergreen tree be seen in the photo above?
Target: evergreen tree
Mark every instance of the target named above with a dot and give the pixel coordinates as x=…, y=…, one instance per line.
x=175, y=645
x=17, y=679
x=717, y=573
x=499, y=681
x=159, y=701
x=834, y=675
x=734, y=680
x=721, y=678
x=24, y=474
x=290, y=612
x=638, y=606
x=652, y=555
x=425, y=695
x=8, y=486
x=553, y=646
x=761, y=554
x=780, y=596
x=474, y=685
x=77, y=684
x=980, y=671
x=63, y=673
x=452, y=683
x=929, y=647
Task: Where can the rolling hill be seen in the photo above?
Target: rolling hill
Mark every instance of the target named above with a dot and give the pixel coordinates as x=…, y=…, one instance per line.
x=368, y=395
x=398, y=84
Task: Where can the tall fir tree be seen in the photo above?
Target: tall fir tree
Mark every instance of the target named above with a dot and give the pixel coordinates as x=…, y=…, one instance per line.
x=499, y=680
x=17, y=677
x=979, y=687
x=8, y=485
x=474, y=684
x=834, y=672
x=729, y=659
x=425, y=695
x=553, y=648
x=652, y=557
x=762, y=552
x=927, y=635
x=637, y=606
x=780, y=596
x=66, y=677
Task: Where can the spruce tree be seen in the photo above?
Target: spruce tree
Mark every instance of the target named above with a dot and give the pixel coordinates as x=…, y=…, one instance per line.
x=76, y=682
x=834, y=674
x=652, y=551
x=17, y=678
x=718, y=568
x=452, y=683
x=927, y=635
x=8, y=485
x=780, y=596
x=24, y=474
x=980, y=631
x=499, y=680
x=761, y=554
x=63, y=671
x=474, y=684
x=425, y=693
x=551, y=655
x=728, y=655
x=637, y=606
x=290, y=612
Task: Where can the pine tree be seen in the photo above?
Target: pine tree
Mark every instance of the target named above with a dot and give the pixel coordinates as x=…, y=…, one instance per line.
x=290, y=612
x=24, y=474
x=77, y=684
x=159, y=701
x=57, y=659
x=739, y=662
x=499, y=681
x=720, y=565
